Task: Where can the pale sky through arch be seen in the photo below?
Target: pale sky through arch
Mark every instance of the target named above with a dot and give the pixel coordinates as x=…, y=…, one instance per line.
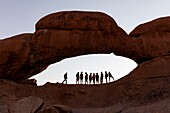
x=94, y=63
x=20, y=16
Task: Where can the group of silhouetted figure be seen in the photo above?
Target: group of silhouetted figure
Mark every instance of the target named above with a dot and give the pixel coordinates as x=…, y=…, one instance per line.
x=92, y=78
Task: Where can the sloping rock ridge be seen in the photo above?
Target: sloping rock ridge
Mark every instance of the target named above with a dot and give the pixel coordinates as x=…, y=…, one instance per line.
x=140, y=90
x=72, y=33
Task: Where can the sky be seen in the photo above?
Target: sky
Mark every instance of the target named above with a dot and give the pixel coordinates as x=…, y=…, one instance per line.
x=20, y=16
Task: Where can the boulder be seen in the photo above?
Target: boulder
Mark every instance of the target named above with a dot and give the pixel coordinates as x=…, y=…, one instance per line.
x=69, y=34
x=115, y=40
x=151, y=39
x=17, y=60
x=15, y=53
x=26, y=105
x=77, y=20
x=158, y=25
x=155, y=68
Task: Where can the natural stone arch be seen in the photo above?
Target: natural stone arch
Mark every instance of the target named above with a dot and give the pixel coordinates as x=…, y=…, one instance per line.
x=68, y=34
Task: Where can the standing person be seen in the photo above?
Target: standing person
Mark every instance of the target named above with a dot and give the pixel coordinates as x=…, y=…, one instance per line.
x=81, y=77
x=101, y=78
x=77, y=78
x=97, y=78
x=106, y=75
x=65, y=78
x=94, y=77
x=110, y=76
x=86, y=78
x=90, y=78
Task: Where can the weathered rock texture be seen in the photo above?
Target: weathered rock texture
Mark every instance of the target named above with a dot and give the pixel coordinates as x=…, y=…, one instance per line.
x=143, y=88
x=157, y=107
x=59, y=36
x=26, y=105
x=67, y=34
x=29, y=82
x=16, y=59
x=152, y=39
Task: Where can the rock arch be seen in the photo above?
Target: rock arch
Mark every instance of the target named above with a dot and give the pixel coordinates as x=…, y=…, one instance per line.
x=67, y=34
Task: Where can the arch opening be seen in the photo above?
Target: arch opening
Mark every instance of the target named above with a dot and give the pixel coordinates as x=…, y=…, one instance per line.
x=94, y=63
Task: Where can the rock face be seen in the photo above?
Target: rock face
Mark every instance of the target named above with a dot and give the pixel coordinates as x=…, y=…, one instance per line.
x=14, y=56
x=152, y=38
x=59, y=36
x=30, y=82
x=77, y=20
x=68, y=34
x=157, y=107
x=16, y=60
x=144, y=88
x=26, y=105
x=158, y=25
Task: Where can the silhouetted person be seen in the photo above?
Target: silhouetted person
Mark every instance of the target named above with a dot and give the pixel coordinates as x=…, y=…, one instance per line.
x=65, y=78
x=110, y=76
x=101, y=78
x=86, y=78
x=97, y=78
x=81, y=77
x=90, y=78
x=94, y=77
x=106, y=75
x=77, y=78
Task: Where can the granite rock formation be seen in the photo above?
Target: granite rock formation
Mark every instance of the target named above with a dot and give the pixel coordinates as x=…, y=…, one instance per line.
x=76, y=35
x=145, y=87
x=26, y=105
x=16, y=60
x=153, y=38
x=68, y=34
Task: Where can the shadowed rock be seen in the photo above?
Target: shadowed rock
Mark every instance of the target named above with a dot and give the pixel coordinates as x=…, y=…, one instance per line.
x=68, y=34
x=16, y=60
x=158, y=25
x=30, y=82
x=78, y=20
x=27, y=105
x=152, y=39
x=157, y=107
x=145, y=87
x=59, y=36
x=73, y=33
